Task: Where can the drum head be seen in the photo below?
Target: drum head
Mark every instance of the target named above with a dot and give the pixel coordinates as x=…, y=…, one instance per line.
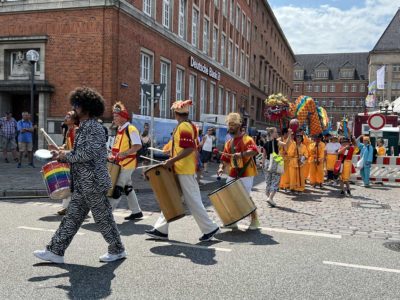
x=43, y=155
x=60, y=194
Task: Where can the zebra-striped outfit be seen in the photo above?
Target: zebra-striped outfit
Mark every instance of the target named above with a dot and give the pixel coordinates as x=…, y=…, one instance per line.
x=90, y=182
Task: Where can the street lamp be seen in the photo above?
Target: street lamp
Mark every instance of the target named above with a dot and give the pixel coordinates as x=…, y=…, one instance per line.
x=32, y=56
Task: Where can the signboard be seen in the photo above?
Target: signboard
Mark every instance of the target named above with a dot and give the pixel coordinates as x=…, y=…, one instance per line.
x=204, y=69
x=376, y=121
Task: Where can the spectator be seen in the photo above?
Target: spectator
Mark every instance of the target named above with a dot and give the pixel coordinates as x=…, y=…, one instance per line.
x=366, y=154
x=8, y=131
x=381, y=150
x=25, y=138
x=207, y=145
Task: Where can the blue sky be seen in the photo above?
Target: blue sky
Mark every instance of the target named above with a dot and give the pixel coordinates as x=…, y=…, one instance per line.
x=331, y=26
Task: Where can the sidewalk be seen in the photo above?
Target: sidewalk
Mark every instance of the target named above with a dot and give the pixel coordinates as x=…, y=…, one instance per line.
x=28, y=181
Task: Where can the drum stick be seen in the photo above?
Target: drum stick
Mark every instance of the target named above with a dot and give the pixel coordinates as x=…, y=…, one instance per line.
x=141, y=156
x=155, y=149
x=47, y=137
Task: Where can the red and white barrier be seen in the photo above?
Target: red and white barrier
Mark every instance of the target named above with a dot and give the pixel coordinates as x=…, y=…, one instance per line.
x=386, y=169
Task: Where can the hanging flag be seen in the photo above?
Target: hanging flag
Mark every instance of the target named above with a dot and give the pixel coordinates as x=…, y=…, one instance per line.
x=370, y=101
x=372, y=87
x=380, y=78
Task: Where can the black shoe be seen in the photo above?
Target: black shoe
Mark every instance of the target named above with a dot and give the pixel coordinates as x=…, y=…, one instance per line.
x=155, y=234
x=348, y=192
x=342, y=193
x=138, y=215
x=208, y=236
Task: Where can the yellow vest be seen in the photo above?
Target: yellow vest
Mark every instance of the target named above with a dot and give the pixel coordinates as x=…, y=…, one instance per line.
x=121, y=144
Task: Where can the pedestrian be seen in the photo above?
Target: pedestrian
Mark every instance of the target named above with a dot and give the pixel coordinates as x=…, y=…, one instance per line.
x=331, y=156
x=126, y=144
x=90, y=182
x=297, y=154
x=183, y=161
x=366, y=155
x=381, y=150
x=25, y=139
x=207, y=146
x=270, y=165
x=8, y=131
x=316, y=161
x=344, y=166
x=283, y=151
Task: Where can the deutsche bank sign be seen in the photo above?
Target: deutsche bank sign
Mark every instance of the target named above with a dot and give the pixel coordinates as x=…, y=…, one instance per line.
x=204, y=69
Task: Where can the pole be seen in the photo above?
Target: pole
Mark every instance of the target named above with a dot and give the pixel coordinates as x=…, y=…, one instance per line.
x=152, y=120
x=32, y=101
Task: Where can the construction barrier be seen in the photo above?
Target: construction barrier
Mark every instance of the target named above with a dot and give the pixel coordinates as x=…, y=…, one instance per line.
x=386, y=169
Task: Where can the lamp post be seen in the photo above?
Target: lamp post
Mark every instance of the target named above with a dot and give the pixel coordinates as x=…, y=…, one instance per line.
x=32, y=56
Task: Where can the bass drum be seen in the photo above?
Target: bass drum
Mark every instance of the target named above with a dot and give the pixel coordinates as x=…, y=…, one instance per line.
x=167, y=191
x=113, y=170
x=232, y=202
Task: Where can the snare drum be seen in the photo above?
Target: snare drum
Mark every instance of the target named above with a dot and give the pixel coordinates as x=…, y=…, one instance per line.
x=56, y=176
x=167, y=191
x=113, y=170
x=232, y=202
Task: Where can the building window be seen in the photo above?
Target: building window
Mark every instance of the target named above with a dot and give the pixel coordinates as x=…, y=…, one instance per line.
x=298, y=75
x=216, y=3
x=354, y=88
x=316, y=88
x=236, y=59
x=215, y=44
x=230, y=49
x=203, y=96
x=206, y=37
x=344, y=102
x=347, y=74
x=164, y=99
x=246, y=71
x=345, y=88
x=243, y=24
x=324, y=88
x=248, y=29
x=212, y=97
x=220, y=100
x=242, y=68
x=227, y=103
x=396, y=68
x=353, y=103
x=192, y=96
x=224, y=7
x=238, y=14
x=232, y=12
x=362, y=102
x=195, y=27
x=233, y=102
x=323, y=103
x=309, y=88
x=331, y=103
x=297, y=88
x=332, y=88
x=147, y=7
x=182, y=18
x=180, y=84
x=321, y=74
x=223, y=53
x=166, y=13
x=146, y=67
x=395, y=85
x=362, y=88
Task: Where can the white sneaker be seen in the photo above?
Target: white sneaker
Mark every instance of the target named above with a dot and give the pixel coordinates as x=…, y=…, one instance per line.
x=49, y=256
x=112, y=257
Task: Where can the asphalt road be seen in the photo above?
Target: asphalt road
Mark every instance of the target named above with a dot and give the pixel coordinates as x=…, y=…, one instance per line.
x=237, y=265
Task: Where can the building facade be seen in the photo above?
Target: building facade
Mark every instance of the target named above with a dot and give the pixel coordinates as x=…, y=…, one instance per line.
x=338, y=82
x=387, y=53
x=199, y=49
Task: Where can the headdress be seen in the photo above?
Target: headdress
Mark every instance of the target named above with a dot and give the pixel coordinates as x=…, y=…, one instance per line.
x=120, y=109
x=234, y=118
x=181, y=106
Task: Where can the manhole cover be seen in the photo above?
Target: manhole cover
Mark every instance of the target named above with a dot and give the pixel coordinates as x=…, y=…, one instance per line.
x=395, y=246
x=370, y=205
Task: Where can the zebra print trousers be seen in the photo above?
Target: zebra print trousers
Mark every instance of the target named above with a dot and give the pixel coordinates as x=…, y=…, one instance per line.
x=78, y=208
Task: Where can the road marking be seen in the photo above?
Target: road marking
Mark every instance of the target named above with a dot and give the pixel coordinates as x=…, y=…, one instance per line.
x=43, y=229
x=310, y=233
x=195, y=246
x=360, y=267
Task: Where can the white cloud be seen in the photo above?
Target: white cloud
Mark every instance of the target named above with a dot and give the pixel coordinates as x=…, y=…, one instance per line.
x=327, y=29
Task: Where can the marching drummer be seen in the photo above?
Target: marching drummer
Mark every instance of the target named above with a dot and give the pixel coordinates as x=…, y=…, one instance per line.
x=184, y=162
x=237, y=158
x=127, y=142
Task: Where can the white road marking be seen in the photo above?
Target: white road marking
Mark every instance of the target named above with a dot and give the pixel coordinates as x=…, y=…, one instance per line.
x=360, y=267
x=310, y=233
x=43, y=229
x=195, y=246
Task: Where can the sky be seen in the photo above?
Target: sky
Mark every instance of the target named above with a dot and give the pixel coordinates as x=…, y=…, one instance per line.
x=333, y=26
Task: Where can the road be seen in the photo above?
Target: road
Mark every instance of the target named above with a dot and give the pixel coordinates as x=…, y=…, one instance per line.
x=273, y=263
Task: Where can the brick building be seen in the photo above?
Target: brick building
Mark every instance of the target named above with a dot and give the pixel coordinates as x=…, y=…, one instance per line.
x=200, y=49
x=338, y=82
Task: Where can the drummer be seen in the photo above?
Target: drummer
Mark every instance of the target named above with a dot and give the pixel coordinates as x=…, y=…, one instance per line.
x=71, y=120
x=237, y=158
x=127, y=142
x=183, y=160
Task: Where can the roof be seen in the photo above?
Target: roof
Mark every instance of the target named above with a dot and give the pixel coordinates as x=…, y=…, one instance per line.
x=334, y=61
x=390, y=39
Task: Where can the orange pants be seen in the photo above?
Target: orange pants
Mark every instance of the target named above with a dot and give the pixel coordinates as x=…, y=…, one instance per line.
x=296, y=183
x=316, y=172
x=285, y=177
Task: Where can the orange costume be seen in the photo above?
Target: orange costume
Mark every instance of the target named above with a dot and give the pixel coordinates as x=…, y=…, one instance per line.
x=381, y=151
x=297, y=157
x=306, y=167
x=346, y=156
x=316, y=162
x=285, y=178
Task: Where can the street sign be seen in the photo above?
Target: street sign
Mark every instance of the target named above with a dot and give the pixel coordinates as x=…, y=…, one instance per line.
x=376, y=121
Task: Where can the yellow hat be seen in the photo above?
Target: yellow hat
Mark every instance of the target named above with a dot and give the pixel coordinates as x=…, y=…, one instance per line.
x=234, y=118
x=181, y=106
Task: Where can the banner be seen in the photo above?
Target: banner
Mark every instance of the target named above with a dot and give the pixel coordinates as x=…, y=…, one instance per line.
x=370, y=101
x=380, y=78
x=372, y=87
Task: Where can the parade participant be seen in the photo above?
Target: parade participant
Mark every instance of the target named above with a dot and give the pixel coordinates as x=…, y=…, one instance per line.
x=331, y=155
x=366, y=155
x=316, y=161
x=307, y=142
x=381, y=150
x=126, y=144
x=346, y=168
x=183, y=160
x=297, y=154
x=272, y=177
x=285, y=179
x=71, y=120
x=237, y=159
x=90, y=182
